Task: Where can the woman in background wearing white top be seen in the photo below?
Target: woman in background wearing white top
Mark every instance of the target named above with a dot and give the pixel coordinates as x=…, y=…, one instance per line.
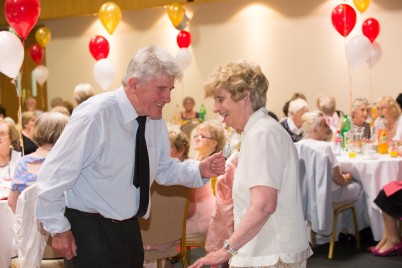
x=316, y=133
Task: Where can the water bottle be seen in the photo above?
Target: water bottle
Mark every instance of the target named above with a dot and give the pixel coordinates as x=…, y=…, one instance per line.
x=203, y=111
x=338, y=143
x=346, y=126
x=382, y=135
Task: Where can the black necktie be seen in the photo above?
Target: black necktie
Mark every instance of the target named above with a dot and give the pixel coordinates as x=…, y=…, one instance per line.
x=141, y=167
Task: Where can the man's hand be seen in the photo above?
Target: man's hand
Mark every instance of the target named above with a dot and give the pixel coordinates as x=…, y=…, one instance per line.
x=64, y=243
x=213, y=166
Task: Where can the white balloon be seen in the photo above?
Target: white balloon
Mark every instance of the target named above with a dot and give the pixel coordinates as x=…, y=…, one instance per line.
x=184, y=57
x=41, y=74
x=104, y=73
x=375, y=54
x=11, y=54
x=357, y=50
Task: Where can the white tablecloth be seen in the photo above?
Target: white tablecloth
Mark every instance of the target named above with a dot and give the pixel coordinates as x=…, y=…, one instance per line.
x=7, y=219
x=373, y=174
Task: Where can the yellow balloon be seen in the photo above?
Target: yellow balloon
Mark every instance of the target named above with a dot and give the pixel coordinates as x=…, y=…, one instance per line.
x=361, y=5
x=110, y=16
x=42, y=36
x=176, y=14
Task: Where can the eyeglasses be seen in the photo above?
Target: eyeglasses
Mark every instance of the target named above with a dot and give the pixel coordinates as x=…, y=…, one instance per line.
x=200, y=136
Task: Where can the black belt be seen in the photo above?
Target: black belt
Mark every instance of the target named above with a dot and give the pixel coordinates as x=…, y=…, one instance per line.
x=97, y=215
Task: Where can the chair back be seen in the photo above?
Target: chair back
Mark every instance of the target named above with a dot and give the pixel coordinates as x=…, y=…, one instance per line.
x=315, y=184
x=165, y=227
x=189, y=126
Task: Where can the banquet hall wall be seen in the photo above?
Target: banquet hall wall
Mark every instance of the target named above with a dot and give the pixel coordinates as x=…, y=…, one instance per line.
x=293, y=41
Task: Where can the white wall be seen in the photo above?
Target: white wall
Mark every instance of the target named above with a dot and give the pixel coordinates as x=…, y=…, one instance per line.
x=293, y=41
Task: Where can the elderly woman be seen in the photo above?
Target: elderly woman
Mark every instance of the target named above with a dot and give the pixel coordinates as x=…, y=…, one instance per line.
x=316, y=132
x=391, y=111
x=179, y=145
x=209, y=139
x=327, y=105
x=188, y=113
x=269, y=226
x=47, y=130
x=359, y=117
x=9, y=149
x=292, y=124
x=82, y=92
x=28, y=120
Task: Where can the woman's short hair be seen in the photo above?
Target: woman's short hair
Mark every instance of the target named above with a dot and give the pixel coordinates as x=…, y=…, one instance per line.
x=311, y=120
x=392, y=105
x=217, y=133
x=180, y=141
x=326, y=104
x=61, y=109
x=82, y=92
x=13, y=134
x=356, y=105
x=296, y=105
x=150, y=62
x=26, y=117
x=238, y=78
x=48, y=128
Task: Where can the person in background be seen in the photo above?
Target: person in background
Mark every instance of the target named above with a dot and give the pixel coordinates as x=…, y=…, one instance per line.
x=269, y=228
x=69, y=105
x=82, y=92
x=61, y=109
x=399, y=100
x=387, y=107
x=285, y=108
x=327, y=105
x=188, y=113
x=179, y=145
x=316, y=133
x=30, y=105
x=28, y=120
x=56, y=101
x=86, y=185
x=3, y=115
x=359, y=117
x=389, y=200
x=292, y=124
x=9, y=149
x=46, y=131
x=209, y=138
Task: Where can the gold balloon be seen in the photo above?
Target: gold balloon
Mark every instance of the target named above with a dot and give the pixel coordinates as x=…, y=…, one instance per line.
x=110, y=16
x=361, y=5
x=42, y=36
x=176, y=14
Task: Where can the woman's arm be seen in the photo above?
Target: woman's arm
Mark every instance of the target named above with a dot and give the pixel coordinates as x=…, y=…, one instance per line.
x=12, y=199
x=342, y=179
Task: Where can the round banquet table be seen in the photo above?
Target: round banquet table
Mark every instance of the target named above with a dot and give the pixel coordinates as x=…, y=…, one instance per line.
x=373, y=173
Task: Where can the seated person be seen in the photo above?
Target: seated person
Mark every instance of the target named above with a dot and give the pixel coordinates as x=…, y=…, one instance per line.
x=188, y=114
x=389, y=200
x=46, y=131
x=359, y=117
x=316, y=131
x=292, y=124
x=327, y=105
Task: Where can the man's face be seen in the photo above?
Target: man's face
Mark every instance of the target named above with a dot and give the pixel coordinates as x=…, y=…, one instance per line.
x=151, y=96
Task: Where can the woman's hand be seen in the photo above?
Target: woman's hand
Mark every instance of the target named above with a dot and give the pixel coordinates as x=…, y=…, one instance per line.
x=347, y=178
x=213, y=259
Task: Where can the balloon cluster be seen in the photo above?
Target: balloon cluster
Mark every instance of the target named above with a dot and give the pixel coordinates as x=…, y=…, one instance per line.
x=104, y=71
x=37, y=51
x=22, y=16
x=360, y=49
x=177, y=16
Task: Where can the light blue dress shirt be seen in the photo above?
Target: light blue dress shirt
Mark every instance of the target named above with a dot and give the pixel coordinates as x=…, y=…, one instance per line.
x=91, y=166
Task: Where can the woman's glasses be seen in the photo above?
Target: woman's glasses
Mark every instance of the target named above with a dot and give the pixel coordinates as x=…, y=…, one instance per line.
x=200, y=136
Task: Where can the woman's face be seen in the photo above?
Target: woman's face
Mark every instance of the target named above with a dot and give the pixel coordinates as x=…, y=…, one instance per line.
x=384, y=109
x=30, y=124
x=296, y=117
x=204, y=141
x=188, y=105
x=5, y=140
x=360, y=115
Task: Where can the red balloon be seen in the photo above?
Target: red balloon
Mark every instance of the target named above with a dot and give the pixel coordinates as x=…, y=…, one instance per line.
x=22, y=15
x=371, y=29
x=343, y=19
x=36, y=52
x=99, y=47
x=183, y=39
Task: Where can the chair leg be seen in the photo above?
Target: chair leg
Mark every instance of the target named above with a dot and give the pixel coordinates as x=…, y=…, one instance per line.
x=188, y=254
x=159, y=263
x=184, y=262
x=356, y=225
x=333, y=235
x=312, y=238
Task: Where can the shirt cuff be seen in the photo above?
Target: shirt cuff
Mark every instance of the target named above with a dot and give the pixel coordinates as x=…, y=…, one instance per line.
x=205, y=180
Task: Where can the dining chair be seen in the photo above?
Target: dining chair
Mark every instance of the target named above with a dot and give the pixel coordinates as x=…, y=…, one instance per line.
x=163, y=233
x=189, y=126
x=315, y=182
x=34, y=245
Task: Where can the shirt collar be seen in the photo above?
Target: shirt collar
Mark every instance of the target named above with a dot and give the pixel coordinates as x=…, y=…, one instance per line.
x=127, y=110
x=293, y=127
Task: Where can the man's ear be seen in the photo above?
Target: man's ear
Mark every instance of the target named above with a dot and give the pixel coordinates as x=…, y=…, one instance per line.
x=132, y=83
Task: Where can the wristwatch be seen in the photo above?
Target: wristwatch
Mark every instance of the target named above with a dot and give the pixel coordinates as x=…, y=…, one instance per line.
x=228, y=248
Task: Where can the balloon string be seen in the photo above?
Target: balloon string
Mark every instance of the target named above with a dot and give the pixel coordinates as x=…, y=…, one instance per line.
x=350, y=81
x=19, y=115
x=371, y=86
